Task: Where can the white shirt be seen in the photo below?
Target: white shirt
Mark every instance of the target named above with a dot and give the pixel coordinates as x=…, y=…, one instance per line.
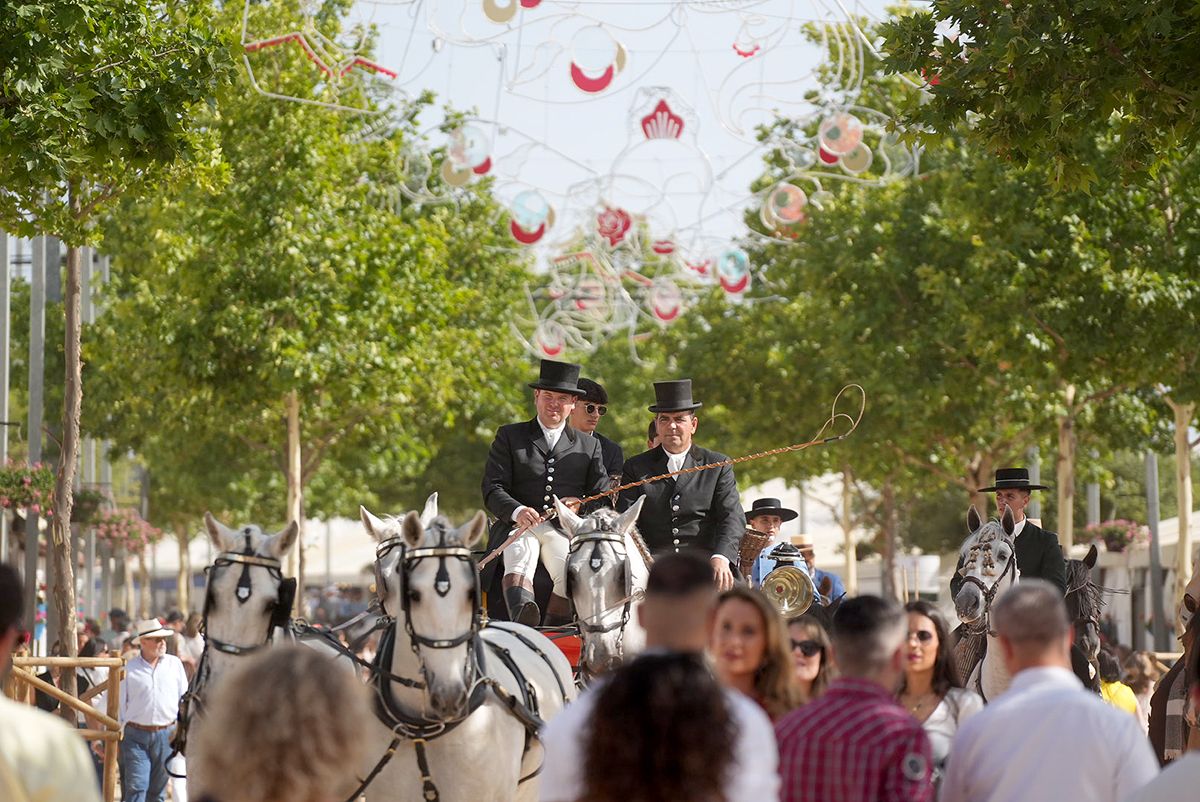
x=41, y=758
x=1019, y=527
x=753, y=776
x=1178, y=781
x=958, y=705
x=675, y=461
x=1047, y=738
x=551, y=436
x=150, y=694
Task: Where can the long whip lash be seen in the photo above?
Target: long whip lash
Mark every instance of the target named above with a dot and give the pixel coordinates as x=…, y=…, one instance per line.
x=821, y=438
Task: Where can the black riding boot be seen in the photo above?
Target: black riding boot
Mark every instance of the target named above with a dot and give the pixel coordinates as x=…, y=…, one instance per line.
x=521, y=606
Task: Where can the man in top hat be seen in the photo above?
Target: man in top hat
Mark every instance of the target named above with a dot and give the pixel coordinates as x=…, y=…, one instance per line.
x=699, y=510
x=591, y=406
x=529, y=464
x=1038, y=552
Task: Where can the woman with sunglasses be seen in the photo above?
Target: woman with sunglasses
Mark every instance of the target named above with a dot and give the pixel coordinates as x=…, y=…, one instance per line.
x=750, y=653
x=810, y=655
x=931, y=689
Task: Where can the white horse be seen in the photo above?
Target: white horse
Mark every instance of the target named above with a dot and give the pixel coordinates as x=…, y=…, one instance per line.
x=458, y=704
x=989, y=568
x=606, y=581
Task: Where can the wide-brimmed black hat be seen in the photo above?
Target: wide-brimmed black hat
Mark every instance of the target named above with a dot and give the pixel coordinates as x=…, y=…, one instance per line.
x=592, y=391
x=674, y=396
x=558, y=377
x=1012, y=479
x=770, y=506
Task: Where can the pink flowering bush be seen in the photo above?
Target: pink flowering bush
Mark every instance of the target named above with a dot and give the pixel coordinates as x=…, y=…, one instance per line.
x=1119, y=534
x=122, y=526
x=24, y=487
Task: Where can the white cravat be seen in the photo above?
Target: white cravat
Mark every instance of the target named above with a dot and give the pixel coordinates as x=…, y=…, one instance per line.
x=1019, y=527
x=552, y=435
x=675, y=461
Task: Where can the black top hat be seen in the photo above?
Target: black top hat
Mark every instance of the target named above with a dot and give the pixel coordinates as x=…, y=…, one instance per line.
x=592, y=391
x=558, y=377
x=674, y=396
x=770, y=506
x=1012, y=479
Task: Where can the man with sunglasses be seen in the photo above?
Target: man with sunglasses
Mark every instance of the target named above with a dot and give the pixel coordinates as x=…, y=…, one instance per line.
x=529, y=464
x=699, y=510
x=589, y=409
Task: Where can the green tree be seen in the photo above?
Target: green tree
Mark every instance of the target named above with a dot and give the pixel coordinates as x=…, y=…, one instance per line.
x=97, y=100
x=1038, y=82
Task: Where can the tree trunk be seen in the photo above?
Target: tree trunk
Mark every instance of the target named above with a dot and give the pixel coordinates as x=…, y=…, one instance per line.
x=146, y=597
x=979, y=474
x=183, y=578
x=1066, y=471
x=60, y=551
x=890, y=526
x=295, y=498
x=847, y=521
x=1184, y=414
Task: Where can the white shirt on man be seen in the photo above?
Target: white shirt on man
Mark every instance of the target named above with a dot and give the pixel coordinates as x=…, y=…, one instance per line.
x=41, y=758
x=551, y=436
x=753, y=776
x=150, y=693
x=1047, y=737
x=675, y=461
x=1179, y=780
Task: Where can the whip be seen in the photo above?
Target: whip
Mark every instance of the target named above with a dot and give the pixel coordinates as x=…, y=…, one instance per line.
x=822, y=437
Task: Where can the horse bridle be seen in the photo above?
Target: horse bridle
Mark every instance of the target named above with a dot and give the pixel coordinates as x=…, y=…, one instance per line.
x=604, y=534
x=989, y=593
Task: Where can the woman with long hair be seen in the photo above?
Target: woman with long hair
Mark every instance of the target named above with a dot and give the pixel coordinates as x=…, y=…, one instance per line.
x=286, y=726
x=1142, y=673
x=811, y=655
x=931, y=689
x=751, y=650
x=662, y=728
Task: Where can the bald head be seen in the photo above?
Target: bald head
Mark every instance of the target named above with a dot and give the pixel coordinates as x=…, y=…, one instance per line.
x=1031, y=620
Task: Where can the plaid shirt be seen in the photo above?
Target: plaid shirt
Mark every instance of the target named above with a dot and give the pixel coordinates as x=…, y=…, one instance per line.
x=853, y=744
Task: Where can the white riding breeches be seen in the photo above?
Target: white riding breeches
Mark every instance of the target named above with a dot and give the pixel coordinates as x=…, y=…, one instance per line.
x=543, y=540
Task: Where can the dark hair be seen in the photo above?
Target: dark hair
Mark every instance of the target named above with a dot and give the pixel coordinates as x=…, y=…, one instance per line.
x=680, y=574
x=1110, y=669
x=643, y=743
x=945, y=670
x=866, y=632
x=10, y=599
x=93, y=647
x=593, y=392
x=174, y=616
x=652, y=432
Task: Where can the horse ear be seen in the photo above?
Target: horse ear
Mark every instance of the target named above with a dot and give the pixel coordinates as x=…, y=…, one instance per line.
x=474, y=530
x=1007, y=522
x=570, y=521
x=974, y=521
x=1090, y=559
x=411, y=530
x=628, y=518
x=431, y=510
x=220, y=534
x=281, y=542
x=375, y=527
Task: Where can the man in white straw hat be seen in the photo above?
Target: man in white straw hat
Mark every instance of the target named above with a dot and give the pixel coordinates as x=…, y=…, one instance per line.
x=154, y=682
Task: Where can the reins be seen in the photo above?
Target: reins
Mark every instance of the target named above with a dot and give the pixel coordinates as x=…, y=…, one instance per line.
x=819, y=439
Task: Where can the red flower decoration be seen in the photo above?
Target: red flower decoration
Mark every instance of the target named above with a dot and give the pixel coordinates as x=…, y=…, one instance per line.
x=613, y=225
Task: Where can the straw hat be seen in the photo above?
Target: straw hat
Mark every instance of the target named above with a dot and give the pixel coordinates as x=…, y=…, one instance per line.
x=150, y=628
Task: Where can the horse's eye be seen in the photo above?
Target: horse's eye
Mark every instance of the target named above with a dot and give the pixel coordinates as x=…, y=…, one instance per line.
x=414, y=596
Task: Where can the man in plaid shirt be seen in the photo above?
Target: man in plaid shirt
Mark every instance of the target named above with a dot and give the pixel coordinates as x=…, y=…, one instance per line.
x=855, y=743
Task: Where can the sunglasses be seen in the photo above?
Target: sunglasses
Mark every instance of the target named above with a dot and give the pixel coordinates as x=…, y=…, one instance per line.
x=922, y=635
x=808, y=648
x=592, y=409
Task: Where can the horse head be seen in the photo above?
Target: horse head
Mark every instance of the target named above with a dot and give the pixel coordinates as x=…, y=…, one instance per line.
x=989, y=567
x=247, y=596
x=426, y=579
x=1084, y=601
x=605, y=571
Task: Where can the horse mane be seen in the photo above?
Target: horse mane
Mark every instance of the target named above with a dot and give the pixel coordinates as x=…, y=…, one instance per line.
x=634, y=534
x=984, y=528
x=1084, y=597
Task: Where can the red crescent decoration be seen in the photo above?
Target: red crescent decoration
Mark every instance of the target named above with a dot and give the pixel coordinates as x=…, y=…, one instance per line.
x=483, y=168
x=700, y=267
x=736, y=286
x=663, y=247
x=745, y=53
x=530, y=3
x=548, y=351
x=827, y=157
x=589, y=84
x=666, y=317
x=525, y=237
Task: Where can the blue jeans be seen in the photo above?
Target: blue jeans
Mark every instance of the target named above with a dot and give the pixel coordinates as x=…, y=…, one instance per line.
x=144, y=764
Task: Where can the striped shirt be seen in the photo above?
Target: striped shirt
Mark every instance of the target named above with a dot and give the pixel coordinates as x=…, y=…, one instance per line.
x=853, y=744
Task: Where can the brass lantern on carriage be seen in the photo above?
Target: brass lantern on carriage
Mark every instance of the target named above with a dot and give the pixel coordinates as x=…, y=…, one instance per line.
x=788, y=586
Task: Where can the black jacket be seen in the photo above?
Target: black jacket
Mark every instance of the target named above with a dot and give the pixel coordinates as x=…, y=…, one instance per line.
x=521, y=471
x=698, y=510
x=1038, y=555
x=611, y=454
